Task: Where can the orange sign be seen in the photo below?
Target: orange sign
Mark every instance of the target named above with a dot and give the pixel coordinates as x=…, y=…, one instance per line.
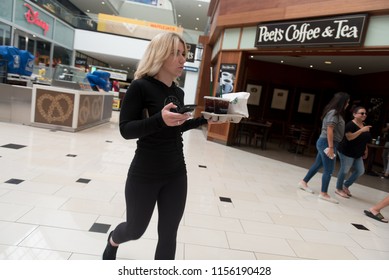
x=132, y=27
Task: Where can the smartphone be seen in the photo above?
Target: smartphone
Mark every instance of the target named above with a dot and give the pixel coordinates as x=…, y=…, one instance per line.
x=326, y=152
x=187, y=108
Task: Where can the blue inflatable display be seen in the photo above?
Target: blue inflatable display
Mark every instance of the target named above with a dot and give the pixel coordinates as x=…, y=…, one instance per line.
x=26, y=63
x=100, y=79
x=18, y=62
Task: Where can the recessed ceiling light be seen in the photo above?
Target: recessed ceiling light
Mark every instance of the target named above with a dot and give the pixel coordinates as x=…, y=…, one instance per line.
x=282, y=61
x=179, y=15
x=360, y=67
x=340, y=71
x=199, y=5
x=87, y=11
x=327, y=62
x=197, y=18
x=102, y=2
x=251, y=56
x=311, y=66
x=196, y=28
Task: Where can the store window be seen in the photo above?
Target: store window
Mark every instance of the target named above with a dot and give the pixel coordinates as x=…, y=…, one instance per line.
x=42, y=53
x=62, y=56
x=22, y=42
x=5, y=34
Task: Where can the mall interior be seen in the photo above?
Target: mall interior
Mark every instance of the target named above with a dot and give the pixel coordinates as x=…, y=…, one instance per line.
x=64, y=163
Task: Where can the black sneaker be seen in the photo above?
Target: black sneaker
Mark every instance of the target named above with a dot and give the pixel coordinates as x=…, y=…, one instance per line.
x=110, y=251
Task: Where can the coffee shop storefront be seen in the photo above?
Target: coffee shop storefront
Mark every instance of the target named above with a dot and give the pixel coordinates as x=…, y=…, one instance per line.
x=243, y=36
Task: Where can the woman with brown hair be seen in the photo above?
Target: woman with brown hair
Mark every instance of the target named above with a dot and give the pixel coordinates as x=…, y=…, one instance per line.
x=332, y=132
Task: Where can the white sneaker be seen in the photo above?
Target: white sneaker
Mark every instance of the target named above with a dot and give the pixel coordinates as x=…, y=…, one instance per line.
x=329, y=199
x=307, y=189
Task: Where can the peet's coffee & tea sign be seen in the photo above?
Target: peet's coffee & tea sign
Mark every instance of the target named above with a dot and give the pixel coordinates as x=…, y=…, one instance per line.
x=345, y=30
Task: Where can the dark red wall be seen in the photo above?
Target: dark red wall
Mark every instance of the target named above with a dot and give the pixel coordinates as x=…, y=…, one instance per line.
x=363, y=90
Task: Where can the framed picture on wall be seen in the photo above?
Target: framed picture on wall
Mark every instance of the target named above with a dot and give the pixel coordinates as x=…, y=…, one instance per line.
x=280, y=97
x=306, y=103
x=255, y=94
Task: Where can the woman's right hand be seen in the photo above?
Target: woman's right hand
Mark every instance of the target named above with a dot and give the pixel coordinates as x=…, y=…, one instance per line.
x=366, y=128
x=173, y=119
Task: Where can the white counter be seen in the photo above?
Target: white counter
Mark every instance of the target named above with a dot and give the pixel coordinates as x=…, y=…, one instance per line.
x=15, y=103
x=68, y=109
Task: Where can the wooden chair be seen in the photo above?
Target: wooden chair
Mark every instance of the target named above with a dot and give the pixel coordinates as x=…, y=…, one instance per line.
x=262, y=135
x=244, y=131
x=304, y=140
x=290, y=134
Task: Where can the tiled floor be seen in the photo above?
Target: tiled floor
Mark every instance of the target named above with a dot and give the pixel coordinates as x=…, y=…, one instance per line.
x=61, y=192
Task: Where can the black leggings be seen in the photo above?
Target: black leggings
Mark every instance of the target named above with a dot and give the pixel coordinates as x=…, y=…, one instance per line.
x=170, y=196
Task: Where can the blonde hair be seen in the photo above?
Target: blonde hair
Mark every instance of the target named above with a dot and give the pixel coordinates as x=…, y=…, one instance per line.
x=159, y=49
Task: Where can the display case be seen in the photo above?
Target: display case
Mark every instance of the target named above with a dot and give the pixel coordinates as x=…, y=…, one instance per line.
x=42, y=75
x=70, y=77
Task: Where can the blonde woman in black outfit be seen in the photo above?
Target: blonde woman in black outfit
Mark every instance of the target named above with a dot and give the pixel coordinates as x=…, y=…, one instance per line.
x=157, y=175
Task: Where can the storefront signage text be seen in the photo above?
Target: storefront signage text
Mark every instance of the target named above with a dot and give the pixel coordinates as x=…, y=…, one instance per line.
x=190, y=52
x=347, y=30
x=32, y=17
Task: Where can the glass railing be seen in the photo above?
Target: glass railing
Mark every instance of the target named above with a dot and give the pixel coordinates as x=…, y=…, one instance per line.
x=85, y=22
x=77, y=21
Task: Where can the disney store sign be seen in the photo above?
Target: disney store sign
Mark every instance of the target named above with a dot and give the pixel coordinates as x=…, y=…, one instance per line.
x=32, y=17
x=345, y=30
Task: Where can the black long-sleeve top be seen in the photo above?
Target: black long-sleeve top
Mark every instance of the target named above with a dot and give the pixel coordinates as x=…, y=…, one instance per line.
x=159, y=152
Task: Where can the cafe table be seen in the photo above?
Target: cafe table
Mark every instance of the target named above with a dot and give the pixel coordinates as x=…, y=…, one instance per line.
x=255, y=129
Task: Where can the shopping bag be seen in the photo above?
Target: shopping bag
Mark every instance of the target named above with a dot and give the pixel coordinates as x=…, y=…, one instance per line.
x=238, y=103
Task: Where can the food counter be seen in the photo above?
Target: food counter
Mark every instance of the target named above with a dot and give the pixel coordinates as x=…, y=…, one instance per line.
x=15, y=104
x=66, y=102
x=69, y=109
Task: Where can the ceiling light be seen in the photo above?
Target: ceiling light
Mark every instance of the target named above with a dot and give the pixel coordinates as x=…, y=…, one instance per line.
x=197, y=18
x=340, y=71
x=282, y=61
x=360, y=67
x=179, y=15
x=311, y=66
x=88, y=11
x=251, y=56
x=327, y=62
x=199, y=5
x=102, y=2
x=196, y=28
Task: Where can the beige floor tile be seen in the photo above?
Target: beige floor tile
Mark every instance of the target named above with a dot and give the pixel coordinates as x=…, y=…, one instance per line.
x=317, y=251
x=259, y=244
x=196, y=252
